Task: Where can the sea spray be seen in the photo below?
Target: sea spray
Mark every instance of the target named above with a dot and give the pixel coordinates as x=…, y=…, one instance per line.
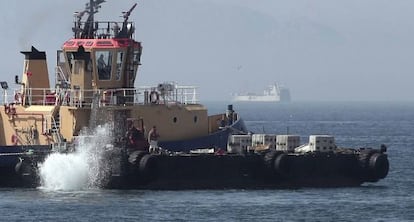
x=83, y=169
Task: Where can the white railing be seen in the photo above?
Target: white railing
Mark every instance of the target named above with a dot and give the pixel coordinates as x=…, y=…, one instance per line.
x=163, y=94
x=168, y=93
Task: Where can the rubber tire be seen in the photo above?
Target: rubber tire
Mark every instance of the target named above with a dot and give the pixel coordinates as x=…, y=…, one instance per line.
x=282, y=165
x=18, y=166
x=379, y=164
x=148, y=167
x=270, y=157
x=135, y=157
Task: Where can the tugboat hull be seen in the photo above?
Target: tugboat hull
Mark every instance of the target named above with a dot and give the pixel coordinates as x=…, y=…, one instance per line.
x=272, y=169
x=18, y=165
x=253, y=171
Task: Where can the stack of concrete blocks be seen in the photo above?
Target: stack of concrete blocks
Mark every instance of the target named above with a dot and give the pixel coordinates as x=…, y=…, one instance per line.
x=264, y=140
x=239, y=144
x=287, y=143
x=321, y=143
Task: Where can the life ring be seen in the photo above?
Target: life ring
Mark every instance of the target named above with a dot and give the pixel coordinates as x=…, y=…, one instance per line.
x=18, y=98
x=154, y=97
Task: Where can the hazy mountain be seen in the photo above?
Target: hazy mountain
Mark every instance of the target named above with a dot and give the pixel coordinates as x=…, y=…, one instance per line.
x=227, y=48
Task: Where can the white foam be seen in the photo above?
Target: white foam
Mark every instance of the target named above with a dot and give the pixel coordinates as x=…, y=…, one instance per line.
x=83, y=169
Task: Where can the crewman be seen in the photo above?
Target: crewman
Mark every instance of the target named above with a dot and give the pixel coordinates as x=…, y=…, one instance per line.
x=101, y=62
x=153, y=140
x=134, y=135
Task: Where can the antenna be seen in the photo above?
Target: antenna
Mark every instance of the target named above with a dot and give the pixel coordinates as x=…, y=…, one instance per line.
x=88, y=29
x=127, y=29
x=128, y=13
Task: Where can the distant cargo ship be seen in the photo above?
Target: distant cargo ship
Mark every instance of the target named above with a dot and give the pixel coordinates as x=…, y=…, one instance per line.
x=273, y=93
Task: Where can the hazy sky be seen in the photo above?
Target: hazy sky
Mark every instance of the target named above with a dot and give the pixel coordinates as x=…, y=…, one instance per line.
x=321, y=49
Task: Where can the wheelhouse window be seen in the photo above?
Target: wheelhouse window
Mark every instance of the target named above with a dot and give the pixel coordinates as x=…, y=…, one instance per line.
x=61, y=57
x=119, y=62
x=104, y=64
x=137, y=56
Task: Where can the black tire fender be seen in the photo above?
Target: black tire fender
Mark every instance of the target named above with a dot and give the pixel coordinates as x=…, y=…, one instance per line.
x=379, y=164
x=364, y=158
x=282, y=164
x=18, y=166
x=135, y=157
x=270, y=157
x=148, y=166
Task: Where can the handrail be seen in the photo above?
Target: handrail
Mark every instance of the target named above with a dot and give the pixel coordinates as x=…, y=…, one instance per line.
x=107, y=97
x=60, y=74
x=55, y=129
x=104, y=29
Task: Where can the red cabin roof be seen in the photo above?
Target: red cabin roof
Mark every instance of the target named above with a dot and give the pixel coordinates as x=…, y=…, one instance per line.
x=100, y=43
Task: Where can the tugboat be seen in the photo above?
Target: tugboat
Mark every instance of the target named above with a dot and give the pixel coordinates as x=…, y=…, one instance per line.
x=161, y=136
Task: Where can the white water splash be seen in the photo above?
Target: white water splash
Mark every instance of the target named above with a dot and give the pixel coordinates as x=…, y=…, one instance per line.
x=83, y=169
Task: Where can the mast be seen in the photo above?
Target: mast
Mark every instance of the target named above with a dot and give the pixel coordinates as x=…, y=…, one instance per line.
x=89, y=26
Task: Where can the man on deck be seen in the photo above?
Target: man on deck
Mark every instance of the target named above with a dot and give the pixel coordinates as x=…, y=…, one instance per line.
x=153, y=140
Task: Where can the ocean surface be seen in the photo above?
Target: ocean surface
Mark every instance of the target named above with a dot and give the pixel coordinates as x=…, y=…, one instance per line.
x=354, y=124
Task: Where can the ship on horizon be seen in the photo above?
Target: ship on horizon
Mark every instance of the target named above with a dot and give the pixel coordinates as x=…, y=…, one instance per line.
x=273, y=93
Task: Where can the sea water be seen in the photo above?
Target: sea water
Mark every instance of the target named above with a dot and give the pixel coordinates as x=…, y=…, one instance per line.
x=80, y=170
x=354, y=124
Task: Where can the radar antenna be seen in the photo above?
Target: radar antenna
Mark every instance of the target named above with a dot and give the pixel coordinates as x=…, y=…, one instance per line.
x=88, y=30
x=127, y=28
x=128, y=13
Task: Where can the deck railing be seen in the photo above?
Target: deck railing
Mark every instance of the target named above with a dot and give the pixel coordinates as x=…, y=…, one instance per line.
x=173, y=94
x=103, y=29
